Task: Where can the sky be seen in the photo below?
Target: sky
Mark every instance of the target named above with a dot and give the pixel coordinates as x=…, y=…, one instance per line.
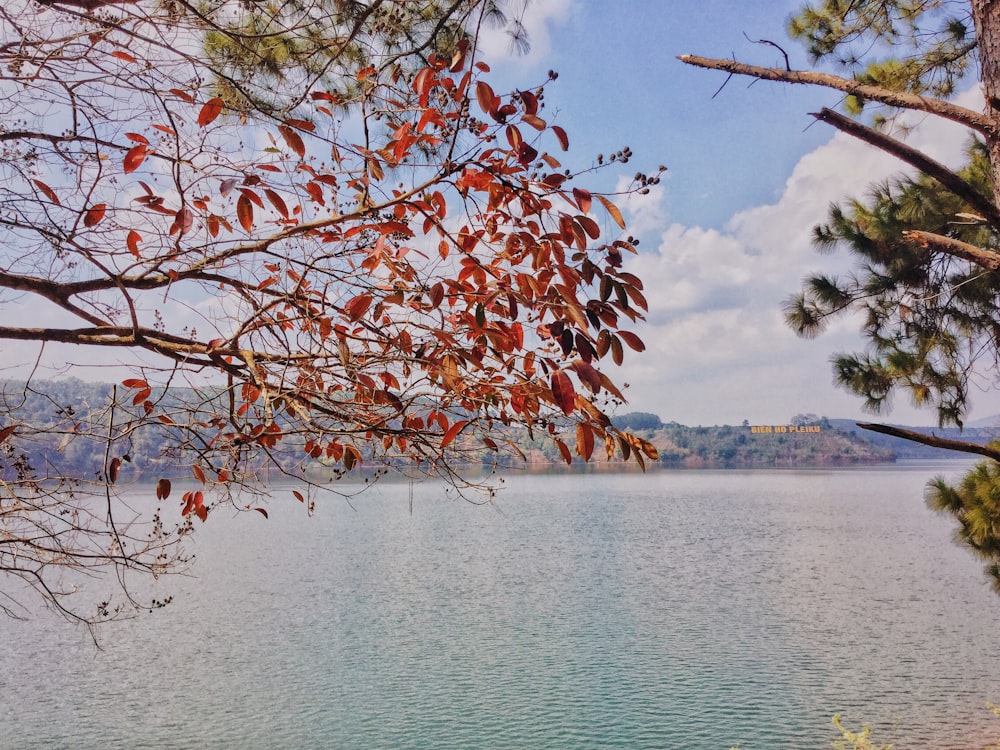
x=724, y=238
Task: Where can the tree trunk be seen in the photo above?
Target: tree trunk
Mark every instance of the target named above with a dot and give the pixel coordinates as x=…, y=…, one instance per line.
x=986, y=17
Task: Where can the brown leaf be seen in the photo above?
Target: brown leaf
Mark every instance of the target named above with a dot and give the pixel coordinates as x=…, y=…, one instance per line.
x=163, y=489
x=564, y=450
x=357, y=307
x=617, y=354
x=244, y=212
x=561, y=135
x=584, y=441
x=293, y=139
x=612, y=209
x=634, y=342
x=563, y=391
x=7, y=431
x=49, y=192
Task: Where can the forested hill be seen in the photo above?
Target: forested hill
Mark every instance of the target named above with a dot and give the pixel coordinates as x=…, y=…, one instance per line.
x=802, y=444
x=62, y=424
x=807, y=440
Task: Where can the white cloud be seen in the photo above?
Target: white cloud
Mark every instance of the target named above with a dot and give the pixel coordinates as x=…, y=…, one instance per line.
x=717, y=348
x=537, y=19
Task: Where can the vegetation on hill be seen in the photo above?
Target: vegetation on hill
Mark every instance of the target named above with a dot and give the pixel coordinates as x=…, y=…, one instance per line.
x=71, y=419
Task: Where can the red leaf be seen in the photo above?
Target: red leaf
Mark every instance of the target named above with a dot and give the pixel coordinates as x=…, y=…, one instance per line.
x=357, y=307
x=277, y=202
x=49, y=192
x=113, y=469
x=293, y=139
x=135, y=156
x=244, y=212
x=7, y=431
x=135, y=383
x=486, y=98
x=211, y=110
x=305, y=125
x=453, y=431
x=137, y=138
x=162, y=489
x=561, y=135
x=563, y=391
x=634, y=342
x=564, y=450
x=123, y=56
x=261, y=511
x=298, y=496
x=198, y=473
x=94, y=214
x=582, y=199
x=132, y=242
x=181, y=94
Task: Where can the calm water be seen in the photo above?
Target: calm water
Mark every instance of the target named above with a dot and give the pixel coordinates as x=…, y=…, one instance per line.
x=668, y=610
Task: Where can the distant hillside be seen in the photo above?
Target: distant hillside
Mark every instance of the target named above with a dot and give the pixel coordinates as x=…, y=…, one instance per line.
x=818, y=444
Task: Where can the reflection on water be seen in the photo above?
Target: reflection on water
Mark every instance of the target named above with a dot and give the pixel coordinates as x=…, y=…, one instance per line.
x=674, y=609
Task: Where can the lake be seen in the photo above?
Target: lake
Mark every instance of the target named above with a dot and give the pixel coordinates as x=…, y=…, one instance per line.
x=674, y=609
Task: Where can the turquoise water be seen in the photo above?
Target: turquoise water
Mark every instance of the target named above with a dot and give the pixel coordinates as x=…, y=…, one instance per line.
x=667, y=610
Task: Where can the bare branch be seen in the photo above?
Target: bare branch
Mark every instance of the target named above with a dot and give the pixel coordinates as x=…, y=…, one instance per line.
x=967, y=117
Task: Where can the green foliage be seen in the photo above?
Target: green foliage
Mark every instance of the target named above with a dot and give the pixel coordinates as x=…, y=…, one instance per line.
x=921, y=47
x=975, y=503
x=265, y=54
x=855, y=740
x=928, y=317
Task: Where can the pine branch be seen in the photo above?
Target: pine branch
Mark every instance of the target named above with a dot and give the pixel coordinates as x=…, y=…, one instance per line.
x=982, y=257
x=917, y=159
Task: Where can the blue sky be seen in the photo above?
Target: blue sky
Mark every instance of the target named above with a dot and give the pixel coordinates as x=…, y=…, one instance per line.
x=725, y=236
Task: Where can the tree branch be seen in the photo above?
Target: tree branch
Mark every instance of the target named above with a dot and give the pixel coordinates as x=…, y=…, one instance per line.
x=932, y=440
x=914, y=158
x=967, y=117
x=981, y=257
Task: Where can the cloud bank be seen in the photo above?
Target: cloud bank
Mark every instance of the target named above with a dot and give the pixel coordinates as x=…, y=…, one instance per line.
x=718, y=350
